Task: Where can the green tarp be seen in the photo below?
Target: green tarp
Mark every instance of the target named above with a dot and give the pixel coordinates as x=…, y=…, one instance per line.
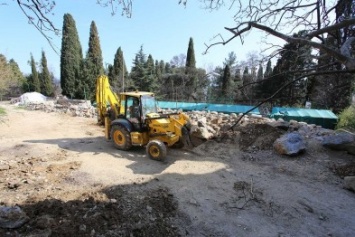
x=324, y=118
x=221, y=108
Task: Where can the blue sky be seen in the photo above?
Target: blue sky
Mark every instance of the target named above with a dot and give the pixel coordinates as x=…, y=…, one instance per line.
x=163, y=28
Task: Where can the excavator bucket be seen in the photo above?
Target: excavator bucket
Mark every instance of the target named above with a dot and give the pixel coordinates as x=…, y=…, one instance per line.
x=186, y=138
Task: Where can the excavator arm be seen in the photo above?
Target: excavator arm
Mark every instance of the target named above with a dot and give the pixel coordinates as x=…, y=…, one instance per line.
x=107, y=101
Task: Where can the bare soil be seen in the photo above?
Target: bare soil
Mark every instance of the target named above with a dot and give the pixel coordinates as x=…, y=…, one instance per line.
x=70, y=181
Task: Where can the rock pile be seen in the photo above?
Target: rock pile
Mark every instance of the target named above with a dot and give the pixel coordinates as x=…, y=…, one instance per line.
x=261, y=133
x=78, y=108
x=251, y=132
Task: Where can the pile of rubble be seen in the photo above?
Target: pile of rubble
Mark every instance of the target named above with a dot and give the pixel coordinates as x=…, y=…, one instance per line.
x=252, y=132
x=78, y=108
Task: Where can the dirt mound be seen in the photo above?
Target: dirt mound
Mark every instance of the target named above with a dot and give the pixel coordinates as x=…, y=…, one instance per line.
x=258, y=137
x=70, y=181
x=344, y=170
x=118, y=212
x=57, y=207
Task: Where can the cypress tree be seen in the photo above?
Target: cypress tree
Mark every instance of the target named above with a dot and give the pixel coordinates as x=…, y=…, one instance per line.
x=70, y=58
x=248, y=89
x=151, y=77
x=238, y=82
x=162, y=66
x=35, y=83
x=190, y=58
x=45, y=77
x=158, y=71
x=246, y=71
x=190, y=70
x=227, y=87
x=167, y=68
x=119, y=75
x=260, y=75
x=93, y=64
x=268, y=70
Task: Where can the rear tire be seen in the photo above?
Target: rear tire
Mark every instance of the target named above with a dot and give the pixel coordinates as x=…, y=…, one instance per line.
x=156, y=150
x=121, y=137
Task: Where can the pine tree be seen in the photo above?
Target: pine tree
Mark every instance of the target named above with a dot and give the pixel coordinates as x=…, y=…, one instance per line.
x=70, y=58
x=35, y=82
x=18, y=78
x=231, y=60
x=5, y=77
x=138, y=72
x=93, y=65
x=45, y=77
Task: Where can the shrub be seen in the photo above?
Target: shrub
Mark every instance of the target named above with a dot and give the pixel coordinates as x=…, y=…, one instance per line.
x=347, y=118
x=2, y=111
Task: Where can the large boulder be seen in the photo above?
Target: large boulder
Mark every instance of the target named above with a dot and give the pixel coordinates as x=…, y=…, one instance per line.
x=12, y=217
x=342, y=141
x=200, y=132
x=349, y=183
x=290, y=144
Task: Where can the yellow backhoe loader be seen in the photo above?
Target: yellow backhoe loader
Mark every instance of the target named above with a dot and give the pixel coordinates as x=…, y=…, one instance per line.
x=131, y=119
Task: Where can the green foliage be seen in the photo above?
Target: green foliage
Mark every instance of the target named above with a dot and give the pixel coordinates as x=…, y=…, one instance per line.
x=190, y=58
x=260, y=73
x=2, y=111
x=293, y=59
x=45, y=77
x=231, y=60
x=227, y=84
x=118, y=74
x=11, y=79
x=35, y=84
x=70, y=58
x=93, y=65
x=144, y=74
x=347, y=119
x=268, y=70
x=17, y=76
x=325, y=89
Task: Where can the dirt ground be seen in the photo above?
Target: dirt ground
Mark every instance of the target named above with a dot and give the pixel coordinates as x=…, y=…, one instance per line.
x=70, y=181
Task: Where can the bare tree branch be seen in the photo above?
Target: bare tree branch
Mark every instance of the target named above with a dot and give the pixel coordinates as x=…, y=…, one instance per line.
x=43, y=23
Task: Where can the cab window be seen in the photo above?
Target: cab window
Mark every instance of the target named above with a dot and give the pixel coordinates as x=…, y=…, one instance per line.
x=133, y=111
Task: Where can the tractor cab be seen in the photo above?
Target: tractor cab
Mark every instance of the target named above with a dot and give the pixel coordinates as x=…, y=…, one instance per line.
x=137, y=107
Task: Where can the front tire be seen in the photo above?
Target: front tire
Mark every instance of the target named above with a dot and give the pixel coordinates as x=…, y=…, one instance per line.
x=121, y=138
x=156, y=150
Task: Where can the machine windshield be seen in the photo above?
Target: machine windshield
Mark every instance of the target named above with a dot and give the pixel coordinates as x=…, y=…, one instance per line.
x=148, y=105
